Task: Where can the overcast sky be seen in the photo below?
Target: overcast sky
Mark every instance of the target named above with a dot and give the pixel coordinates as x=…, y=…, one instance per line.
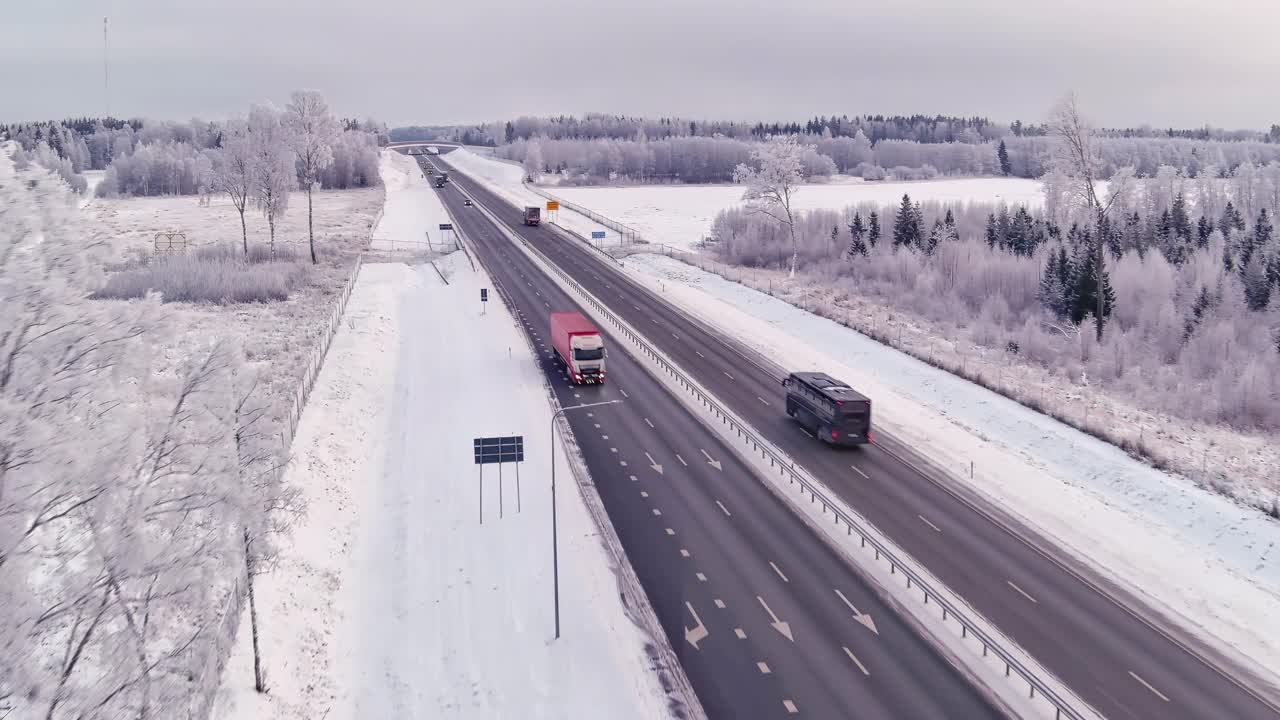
x=1163, y=62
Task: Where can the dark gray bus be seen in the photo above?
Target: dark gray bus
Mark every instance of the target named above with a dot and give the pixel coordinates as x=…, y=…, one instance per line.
x=835, y=412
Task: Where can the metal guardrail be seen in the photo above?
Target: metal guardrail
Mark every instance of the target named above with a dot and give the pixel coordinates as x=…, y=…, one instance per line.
x=1035, y=685
x=626, y=231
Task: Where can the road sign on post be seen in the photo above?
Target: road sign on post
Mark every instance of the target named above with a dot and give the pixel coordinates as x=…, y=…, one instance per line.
x=484, y=298
x=446, y=226
x=498, y=450
x=597, y=234
x=553, y=205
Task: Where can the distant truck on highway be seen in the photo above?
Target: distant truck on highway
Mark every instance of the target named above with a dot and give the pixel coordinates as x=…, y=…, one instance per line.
x=579, y=346
x=834, y=412
x=532, y=214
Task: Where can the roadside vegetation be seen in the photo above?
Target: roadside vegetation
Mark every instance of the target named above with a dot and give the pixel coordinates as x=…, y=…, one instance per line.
x=155, y=347
x=1167, y=303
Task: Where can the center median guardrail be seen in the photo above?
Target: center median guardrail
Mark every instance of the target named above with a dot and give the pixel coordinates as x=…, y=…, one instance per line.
x=1037, y=686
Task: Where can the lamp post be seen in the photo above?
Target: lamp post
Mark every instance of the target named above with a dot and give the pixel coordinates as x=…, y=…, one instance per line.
x=555, y=551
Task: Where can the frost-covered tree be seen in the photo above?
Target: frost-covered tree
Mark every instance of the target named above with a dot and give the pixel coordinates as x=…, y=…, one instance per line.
x=907, y=230
x=533, y=161
x=1076, y=154
x=274, y=171
x=112, y=480
x=234, y=170
x=857, y=241
x=873, y=229
x=311, y=130
x=772, y=181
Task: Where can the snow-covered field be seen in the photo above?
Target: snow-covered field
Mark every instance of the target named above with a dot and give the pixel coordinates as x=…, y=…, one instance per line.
x=1210, y=561
x=681, y=215
x=392, y=600
x=343, y=219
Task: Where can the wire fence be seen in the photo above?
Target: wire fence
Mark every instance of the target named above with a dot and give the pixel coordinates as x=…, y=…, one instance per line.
x=207, y=682
x=970, y=628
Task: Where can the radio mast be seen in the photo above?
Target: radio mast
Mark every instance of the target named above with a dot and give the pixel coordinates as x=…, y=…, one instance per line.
x=106, y=77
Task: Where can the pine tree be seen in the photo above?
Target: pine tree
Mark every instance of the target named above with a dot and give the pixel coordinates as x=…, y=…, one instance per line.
x=1231, y=220
x=993, y=237
x=1203, y=303
x=857, y=246
x=935, y=237
x=906, y=227
x=1204, y=229
x=1051, y=287
x=1257, y=287
x=873, y=230
x=1002, y=152
x=1112, y=238
x=835, y=236
x=1085, y=283
x=949, y=226
x=1252, y=243
x=1181, y=221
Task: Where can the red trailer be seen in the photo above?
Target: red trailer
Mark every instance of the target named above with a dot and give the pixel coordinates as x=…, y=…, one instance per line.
x=579, y=346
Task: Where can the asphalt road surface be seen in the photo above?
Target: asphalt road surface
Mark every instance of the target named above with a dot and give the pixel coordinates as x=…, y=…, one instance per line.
x=767, y=620
x=1117, y=654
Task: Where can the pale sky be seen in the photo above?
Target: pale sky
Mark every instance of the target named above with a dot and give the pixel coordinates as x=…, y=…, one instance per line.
x=1162, y=62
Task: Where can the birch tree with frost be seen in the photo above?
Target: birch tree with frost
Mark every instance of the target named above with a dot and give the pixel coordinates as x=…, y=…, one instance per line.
x=772, y=181
x=311, y=129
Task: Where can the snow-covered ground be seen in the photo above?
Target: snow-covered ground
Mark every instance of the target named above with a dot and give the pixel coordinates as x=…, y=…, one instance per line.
x=94, y=179
x=681, y=215
x=505, y=179
x=391, y=599
x=1213, y=562
x=413, y=211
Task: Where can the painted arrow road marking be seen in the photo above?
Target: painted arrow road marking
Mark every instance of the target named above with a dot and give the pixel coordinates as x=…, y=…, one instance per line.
x=782, y=627
x=699, y=631
x=860, y=617
x=713, y=463
x=653, y=464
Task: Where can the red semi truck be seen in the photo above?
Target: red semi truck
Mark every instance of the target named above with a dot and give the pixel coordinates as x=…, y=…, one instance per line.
x=579, y=346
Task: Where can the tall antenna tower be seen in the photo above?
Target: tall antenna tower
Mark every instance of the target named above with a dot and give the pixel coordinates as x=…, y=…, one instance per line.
x=106, y=77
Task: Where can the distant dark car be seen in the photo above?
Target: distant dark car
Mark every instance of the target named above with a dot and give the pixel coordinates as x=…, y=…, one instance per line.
x=467, y=202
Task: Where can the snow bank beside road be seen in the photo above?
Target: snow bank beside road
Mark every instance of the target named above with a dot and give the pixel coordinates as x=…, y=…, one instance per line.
x=1210, y=561
x=390, y=600
x=338, y=454
x=413, y=212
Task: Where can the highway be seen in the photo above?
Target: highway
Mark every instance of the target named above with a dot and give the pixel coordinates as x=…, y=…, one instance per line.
x=1120, y=656
x=767, y=620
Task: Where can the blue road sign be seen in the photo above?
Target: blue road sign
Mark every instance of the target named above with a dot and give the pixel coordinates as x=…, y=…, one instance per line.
x=498, y=449
x=597, y=234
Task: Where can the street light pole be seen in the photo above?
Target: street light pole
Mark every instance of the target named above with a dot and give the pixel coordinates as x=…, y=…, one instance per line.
x=555, y=546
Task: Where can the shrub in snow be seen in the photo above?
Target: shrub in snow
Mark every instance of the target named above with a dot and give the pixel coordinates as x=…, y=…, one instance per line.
x=1184, y=338
x=220, y=275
